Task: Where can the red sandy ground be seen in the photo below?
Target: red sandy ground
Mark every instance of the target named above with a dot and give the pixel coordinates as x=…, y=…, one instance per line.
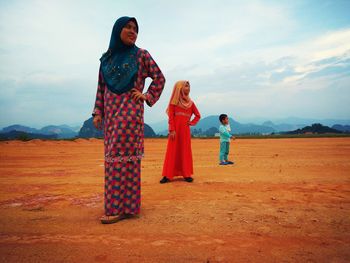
x=285, y=200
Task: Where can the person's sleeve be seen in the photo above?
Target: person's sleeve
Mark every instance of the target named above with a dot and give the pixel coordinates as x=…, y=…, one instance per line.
x=99, y=102
x=171, y=118
x=158, y=81
x=224, y=132
x=197, y=115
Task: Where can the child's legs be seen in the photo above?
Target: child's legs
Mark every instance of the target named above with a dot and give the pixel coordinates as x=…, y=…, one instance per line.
x=227, y=150
x=222, y=151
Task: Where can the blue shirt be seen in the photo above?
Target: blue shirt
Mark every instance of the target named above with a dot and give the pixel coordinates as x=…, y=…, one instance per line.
x=224, y=134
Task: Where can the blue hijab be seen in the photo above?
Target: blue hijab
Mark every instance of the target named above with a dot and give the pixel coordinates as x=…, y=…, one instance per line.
x=119, y=64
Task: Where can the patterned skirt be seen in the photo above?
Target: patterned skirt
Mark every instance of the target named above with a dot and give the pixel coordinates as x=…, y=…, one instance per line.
x=122, y=188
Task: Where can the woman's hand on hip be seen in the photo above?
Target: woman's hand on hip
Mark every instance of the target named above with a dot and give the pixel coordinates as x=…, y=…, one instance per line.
x=98, y=122
x=172, y=135
x=137, y=95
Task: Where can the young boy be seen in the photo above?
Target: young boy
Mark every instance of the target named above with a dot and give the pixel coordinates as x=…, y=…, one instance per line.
x=225, y=136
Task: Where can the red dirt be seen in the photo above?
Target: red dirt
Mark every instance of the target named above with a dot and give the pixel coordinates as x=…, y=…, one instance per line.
x=285, y=200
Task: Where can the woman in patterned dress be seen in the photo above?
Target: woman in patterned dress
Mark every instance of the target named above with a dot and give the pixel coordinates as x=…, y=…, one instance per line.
x=178, y=157
x=119, y=103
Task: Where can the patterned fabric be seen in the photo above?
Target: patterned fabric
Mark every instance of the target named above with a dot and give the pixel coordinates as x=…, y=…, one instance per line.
x=122, y=188
x=119, y=71
x=124, y=136
x=119, y=65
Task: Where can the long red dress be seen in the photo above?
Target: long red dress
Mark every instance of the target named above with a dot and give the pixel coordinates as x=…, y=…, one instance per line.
x=178, y=157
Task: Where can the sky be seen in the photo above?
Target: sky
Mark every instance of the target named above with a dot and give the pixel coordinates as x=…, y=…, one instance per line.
x=249, y=59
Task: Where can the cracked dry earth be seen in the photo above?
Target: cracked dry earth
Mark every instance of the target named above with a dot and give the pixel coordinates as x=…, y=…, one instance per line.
x=285, y=200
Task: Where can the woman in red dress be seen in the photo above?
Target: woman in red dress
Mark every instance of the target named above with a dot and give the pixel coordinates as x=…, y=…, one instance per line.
x=178, y=157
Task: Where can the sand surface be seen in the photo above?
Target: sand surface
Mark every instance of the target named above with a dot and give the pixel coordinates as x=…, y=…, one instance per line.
x=285, y=200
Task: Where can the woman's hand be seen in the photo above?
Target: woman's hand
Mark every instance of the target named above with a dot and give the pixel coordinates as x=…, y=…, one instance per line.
x=172, y=135
x=98, y=122
x=137, y=95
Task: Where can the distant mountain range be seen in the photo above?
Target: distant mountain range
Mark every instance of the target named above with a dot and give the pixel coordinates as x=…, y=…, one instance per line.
x=343, y=128
x=207, y=126
x=299, y=121
x=58, y=131
x=316, y=128
x=24, y=135
x=283, y=126
x=88, y=130
x=236, y=127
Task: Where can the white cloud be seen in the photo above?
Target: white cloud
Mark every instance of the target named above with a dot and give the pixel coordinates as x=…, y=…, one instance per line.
x=244, y=52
